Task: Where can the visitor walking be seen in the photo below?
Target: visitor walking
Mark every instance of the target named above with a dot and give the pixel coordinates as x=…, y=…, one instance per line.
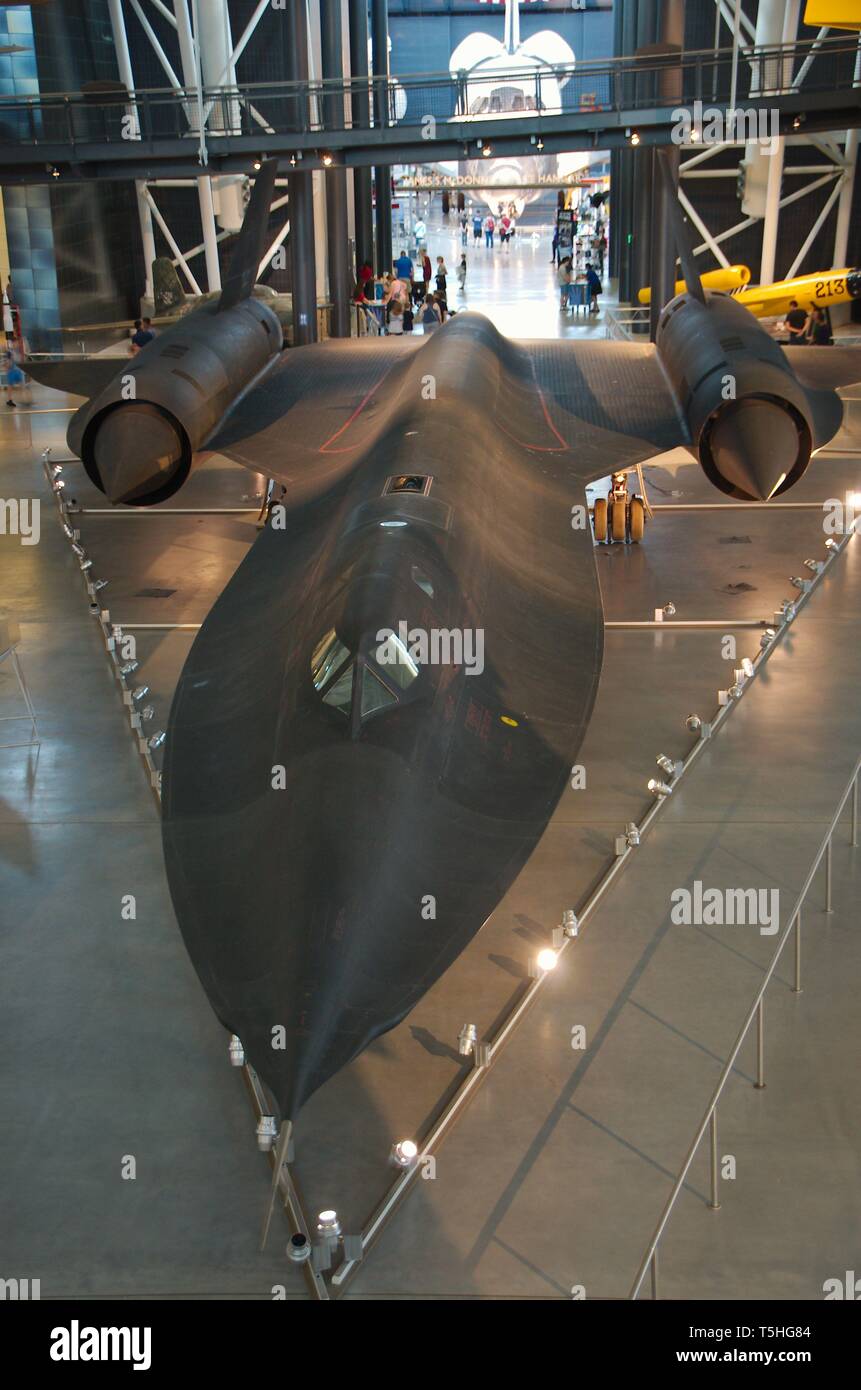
x=489, y=229
x=476, y=227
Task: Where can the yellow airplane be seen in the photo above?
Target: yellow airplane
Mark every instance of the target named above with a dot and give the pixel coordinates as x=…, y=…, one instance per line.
x=728, y=278
x=826, y=288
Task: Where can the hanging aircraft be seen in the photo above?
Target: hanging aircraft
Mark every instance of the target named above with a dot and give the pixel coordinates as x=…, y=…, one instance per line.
x=381, y=711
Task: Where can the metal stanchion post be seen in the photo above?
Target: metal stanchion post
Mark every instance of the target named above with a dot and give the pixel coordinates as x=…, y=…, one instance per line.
x=828, y=907
x=714, y=1203
x=654, y=1271
x=759, y=1083
x=854, y=840
x=796, y=989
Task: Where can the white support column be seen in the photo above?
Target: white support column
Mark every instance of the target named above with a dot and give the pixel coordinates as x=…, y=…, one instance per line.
x=210, y=240
x=847, y=186
x=124, y=66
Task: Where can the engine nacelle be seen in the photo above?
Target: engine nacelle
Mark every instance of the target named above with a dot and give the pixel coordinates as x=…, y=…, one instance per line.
x=137, y=438
x=749, y=417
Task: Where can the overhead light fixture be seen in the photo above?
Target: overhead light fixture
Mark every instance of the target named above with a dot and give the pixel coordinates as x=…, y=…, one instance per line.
x=256, y=165
x=236, y=1051
x=486, y=149
x=695, y=134
x=404, y=1153
x=797, y=121
x=327, y=159
x=539, y=143
x=635, y=139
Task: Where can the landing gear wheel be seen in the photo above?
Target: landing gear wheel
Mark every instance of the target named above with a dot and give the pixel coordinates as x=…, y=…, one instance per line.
x=636, y=519
x=599, y=519
x=618, y=521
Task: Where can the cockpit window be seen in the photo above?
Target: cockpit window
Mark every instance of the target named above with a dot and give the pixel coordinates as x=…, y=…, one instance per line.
x=329, y=655
x=340, y=692
x=375, y=695
x=395, y=661
x=360, y=685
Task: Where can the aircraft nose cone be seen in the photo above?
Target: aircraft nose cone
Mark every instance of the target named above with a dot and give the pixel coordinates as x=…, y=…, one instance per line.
x=137, y=451
x=754, y=446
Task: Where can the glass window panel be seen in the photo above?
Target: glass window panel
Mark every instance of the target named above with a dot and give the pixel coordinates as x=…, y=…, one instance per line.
x=340, y=693
x=395, y=662
x=375, y=696
x=329, y=655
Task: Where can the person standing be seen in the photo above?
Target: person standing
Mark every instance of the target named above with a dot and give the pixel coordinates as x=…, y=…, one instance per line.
x=464, y=229
x=489, y=229
x=504, y=229
x=430, y=316
x=795, y=323
x=476, y=227
x=461, y=276
x=420, y=231
x=554, y=246
x=441, y=284
x=563, y=279
x=594, y=286
x=404, y=267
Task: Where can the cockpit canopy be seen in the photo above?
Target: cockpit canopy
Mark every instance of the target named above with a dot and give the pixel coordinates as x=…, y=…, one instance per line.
x=364, y=683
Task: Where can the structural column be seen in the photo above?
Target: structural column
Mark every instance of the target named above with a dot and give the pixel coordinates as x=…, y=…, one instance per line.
x=383, y=173
x=361, y=119
x=662, y=269
x=336, y=178
x=302, y=258
x=647, y=22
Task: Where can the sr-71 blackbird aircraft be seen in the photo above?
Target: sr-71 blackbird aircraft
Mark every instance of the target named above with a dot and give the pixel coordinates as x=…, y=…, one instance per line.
x=341, y=811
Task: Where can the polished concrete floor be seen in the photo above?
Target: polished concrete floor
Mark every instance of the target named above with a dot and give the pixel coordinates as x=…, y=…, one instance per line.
x=555, y=1174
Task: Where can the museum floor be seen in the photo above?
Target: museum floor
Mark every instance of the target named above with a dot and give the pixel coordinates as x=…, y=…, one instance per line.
x=555, y=1172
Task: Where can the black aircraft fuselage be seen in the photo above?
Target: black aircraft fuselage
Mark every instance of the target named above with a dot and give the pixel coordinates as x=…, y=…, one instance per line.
x=376, y=806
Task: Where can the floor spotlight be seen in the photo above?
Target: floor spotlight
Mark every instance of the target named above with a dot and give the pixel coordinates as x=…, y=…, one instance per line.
x=813, y=565
x=632, y=834
x=267, y=1133
x=128, y=669
x=404, y=1153
x=466, y=1039
x=693, y=723
x=666, y=764
x=78, y=549
x=86, y=565
x=767, y=637
x=659, y=788
x=147, y=714
x=747, y=666
x=328, y=1224
x=236, y=1051
x=139, y=693
x=547, y=959
x=299, y=1248
x=157, y=740
x=797, y=582
x=831, y=545
x=570, y=925
x=101, y=584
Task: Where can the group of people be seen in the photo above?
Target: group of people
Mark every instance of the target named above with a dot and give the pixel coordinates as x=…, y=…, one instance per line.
x=803, y=327
x=566, y=277
x=488, y=227
x=403, y=296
